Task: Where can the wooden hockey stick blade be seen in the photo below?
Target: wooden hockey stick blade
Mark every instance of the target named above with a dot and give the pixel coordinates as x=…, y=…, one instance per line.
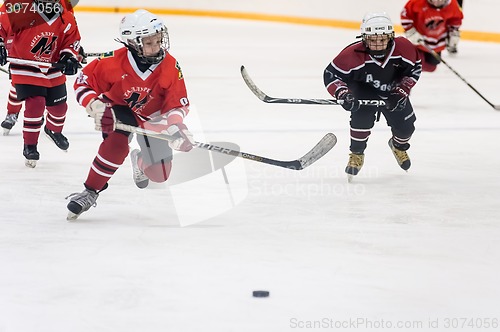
x=265, y=98
x=318, y=151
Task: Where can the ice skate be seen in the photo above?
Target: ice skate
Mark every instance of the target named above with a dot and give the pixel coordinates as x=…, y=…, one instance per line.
x=354, y=165
x=401, y=156
x=9, y=122
x=31, y=154
x=58, y=138
x=81, y=202
x=140, y=179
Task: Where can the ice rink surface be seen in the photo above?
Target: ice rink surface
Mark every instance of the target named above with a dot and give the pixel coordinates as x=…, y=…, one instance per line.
x=396, y=249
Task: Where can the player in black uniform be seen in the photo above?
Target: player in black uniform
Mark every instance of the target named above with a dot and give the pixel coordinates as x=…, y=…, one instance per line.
x=380, y=66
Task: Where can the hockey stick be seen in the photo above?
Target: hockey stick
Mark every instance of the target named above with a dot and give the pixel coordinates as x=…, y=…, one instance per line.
x=2, y=69
x=438, y=57
x=265, y=98
x=97, y=54
x=321, y=148
x=45, y=65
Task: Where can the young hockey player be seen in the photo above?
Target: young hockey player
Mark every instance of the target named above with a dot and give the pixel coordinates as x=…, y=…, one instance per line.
x=380, y=66
x=14, y=105
x=45, y=33
x=432, y=25
x=138, y=84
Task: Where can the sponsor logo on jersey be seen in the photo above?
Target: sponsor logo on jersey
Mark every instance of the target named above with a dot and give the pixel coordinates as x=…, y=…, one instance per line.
x=137, y=98
x=179, y=69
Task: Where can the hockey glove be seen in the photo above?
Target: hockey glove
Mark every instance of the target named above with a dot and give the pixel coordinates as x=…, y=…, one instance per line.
x=346, y=99
x=452, y=41
x=82, y=56
x=104, y=117
x=183, y=139
x=3, y=53
x=68, y=63
x=396, y=100
x=414, y=36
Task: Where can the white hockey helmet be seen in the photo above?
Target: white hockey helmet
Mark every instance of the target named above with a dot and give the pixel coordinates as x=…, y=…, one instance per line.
x=377, y=24
x=73, y=3
x=141, y=23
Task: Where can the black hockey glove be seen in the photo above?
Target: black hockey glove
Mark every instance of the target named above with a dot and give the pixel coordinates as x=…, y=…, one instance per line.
x=69, y=64
x=3, y=53
x=82, y=56
x=348, y=101
x=396, y=100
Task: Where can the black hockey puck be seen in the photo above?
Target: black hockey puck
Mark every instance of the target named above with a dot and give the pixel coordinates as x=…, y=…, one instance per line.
x=260, y=293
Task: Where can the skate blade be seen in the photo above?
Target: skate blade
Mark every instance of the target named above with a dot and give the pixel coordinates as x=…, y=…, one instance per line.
x=72, y=216
x=350, y=177
x=6, y=131
x=30, y=163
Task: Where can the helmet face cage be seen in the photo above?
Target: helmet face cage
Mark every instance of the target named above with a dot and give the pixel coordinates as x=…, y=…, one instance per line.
x=377, y=31
x=438, y=3
x=142, y=24
x=138, y=45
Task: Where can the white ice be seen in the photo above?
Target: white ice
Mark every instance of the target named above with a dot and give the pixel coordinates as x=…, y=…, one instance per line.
x=391, y=247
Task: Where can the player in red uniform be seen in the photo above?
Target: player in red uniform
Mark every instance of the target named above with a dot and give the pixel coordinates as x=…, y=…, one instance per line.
x=136, y=85
x=46, y=33
x=432, y=25
x=380, y=66
x=14, y=105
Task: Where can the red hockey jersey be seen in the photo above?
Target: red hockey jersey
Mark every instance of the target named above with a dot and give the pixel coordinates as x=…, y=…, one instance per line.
x=149, y=94
x=432, y=23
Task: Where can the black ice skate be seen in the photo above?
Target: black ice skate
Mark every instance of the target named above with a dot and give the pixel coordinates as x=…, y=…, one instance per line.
x=401, y=156
x=9, y=122
x=81, y=202
x=354, y=165
x=140, y=179
x=31, y=154
x=58, y=138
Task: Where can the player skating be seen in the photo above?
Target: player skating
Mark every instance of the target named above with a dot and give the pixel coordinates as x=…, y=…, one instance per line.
x=432, y=25
x=136, y=85
x=380, y=66
x=45, y=33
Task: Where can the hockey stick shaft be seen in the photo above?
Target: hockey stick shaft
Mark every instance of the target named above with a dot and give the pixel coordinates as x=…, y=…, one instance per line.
x=325, y=145
x=438, y=57
x=267, y=99
x=47, y=65
x=98, y=54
